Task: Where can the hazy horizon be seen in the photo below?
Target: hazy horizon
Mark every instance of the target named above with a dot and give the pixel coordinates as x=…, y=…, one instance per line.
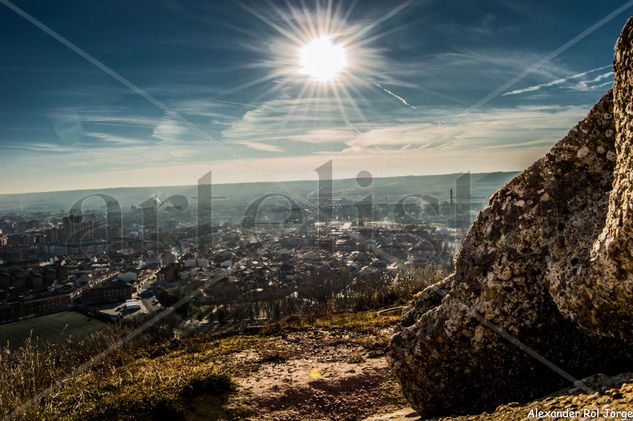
x=306, y=180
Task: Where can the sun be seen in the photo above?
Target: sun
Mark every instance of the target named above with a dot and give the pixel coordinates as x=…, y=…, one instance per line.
x=322, y=60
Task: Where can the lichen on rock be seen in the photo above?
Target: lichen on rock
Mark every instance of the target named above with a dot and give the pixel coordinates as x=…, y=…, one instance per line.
x=549, y=262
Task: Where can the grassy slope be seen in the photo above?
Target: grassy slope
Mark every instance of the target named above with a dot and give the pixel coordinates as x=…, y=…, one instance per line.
x=163, y=381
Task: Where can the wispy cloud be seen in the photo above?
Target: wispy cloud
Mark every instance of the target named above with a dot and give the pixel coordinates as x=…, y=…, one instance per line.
x=491, y=128
x=169, y=130
x=596, y=82
x=79, y=127
x=447, y=68
x=269, y=128
x=42, y=148
x=398, y=97
x=286, y=118
x=325, y=135
x=264, y=147
x=583, y=85
x=117, y=140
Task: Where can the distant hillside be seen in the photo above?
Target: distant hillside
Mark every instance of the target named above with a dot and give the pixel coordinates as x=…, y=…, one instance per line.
x=386, y=190
x=498, y=178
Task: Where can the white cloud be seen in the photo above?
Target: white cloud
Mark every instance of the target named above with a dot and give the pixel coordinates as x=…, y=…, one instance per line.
x=288, y=119
x=169, y=130
x=595, y=83
x=490, y=140
x=115, y=139
x=324, y=135
x=429, y=128
x=265, y=147
x=479, y=130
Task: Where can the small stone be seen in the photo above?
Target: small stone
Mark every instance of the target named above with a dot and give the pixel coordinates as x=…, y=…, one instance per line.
x=583, y=152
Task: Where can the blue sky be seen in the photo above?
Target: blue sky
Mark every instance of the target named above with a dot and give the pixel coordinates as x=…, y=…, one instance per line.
x=227, y=73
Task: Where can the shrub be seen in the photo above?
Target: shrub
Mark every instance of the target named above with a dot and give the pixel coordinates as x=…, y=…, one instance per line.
x=208, y=383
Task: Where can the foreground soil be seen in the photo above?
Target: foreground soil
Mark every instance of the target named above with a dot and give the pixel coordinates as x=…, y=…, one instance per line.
x=325, y=372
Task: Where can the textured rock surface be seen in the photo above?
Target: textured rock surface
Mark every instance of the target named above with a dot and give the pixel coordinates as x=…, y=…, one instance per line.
x=547, y=262
x=598, y=293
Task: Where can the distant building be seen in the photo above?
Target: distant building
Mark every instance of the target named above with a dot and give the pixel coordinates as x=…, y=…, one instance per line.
x=197, y=262
x=167, y=258
x=132, y=305
x=34, y=307
x=5, y=279
x=111, y=292
x=167, y=274
x=128, y=276
x=421, y=253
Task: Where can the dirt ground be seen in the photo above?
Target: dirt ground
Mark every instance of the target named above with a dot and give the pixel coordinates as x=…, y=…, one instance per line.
x=310, y=375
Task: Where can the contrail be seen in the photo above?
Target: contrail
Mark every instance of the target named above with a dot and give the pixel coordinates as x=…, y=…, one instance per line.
x=554, y=82
x=352, y=126
x=398, y=97
x=503, y=88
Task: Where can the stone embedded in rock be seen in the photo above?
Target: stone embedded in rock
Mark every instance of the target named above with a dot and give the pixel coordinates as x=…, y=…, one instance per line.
x=549, y=262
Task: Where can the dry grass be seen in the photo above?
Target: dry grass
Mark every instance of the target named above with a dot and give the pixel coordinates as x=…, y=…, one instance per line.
x=273, y=354
x=153, y=387
x=32, y=368
x=355, y=359
x=361, y=321
x=145, y=379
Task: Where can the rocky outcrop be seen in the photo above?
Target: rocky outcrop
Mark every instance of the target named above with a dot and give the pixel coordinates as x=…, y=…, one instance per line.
x=597, y=293
x=544, y=279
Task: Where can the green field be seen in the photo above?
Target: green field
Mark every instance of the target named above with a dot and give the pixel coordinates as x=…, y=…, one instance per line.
x=53, y=328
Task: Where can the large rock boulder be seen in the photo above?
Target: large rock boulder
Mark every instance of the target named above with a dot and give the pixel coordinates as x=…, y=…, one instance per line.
x=544, y=279
x=597, y=292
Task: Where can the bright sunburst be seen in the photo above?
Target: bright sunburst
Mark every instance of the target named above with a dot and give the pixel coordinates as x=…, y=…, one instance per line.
x=322, y=60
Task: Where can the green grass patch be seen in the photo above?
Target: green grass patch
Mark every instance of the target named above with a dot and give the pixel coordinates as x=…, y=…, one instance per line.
x=50, y=329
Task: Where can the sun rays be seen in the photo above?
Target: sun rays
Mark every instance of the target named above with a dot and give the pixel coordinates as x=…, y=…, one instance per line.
x=321, y=58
